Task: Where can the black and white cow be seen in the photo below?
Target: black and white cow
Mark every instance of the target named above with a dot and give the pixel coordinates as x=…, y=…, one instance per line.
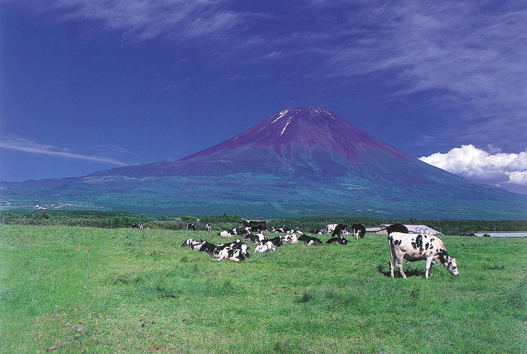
x=228, y=233
x=233, y=254
x=208, y=227
x=191, y=226
x=205, y=247
x=192, y=243
x=309, y=240
x=255, y=225
x=397, y=228
x=330, y=228
x=254, y=238
x=417, y=248
x=358, y=230
x=277, y=241
x=339, y=239
x=233, y=245
x=339, y=230
x=290, y=238
x=266, y=247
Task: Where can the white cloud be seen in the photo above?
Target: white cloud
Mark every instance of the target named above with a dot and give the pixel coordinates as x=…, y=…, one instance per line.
x=506, y=170
x=25, y=145
x=144, y=20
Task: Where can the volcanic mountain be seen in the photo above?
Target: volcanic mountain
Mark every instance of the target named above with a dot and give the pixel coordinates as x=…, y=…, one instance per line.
x=300, y=161
x=311, y=141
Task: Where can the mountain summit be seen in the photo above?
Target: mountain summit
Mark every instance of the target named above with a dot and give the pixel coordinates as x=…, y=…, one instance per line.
x=309, y=140
x=304, y=132
x=298, y=162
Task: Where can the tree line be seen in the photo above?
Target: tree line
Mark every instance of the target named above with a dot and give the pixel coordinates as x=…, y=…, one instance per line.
x=118, y=219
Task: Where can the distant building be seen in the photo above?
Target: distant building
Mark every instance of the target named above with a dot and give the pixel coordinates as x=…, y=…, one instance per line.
x=501, y=234
x=413, y=229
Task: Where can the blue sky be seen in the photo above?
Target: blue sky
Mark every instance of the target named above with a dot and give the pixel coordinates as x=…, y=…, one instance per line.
x=88, y=85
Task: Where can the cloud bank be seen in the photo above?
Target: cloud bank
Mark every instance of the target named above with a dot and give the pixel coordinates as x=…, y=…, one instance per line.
x=28, y=146
x=504, y=170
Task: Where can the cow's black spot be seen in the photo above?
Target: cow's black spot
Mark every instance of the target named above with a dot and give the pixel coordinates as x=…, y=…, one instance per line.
x=443, y=255
x=426, y=246
x=418, y=244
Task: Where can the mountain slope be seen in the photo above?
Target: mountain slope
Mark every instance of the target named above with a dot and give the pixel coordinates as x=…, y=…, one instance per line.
x=301, y=161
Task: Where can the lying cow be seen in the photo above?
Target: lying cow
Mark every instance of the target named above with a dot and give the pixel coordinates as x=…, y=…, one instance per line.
x=265, y=248
x=309, y=240
x=291, y=238
x=233, y=254
x=255, y=225
x=417, y=248
x=192, y=243
x=340, y=240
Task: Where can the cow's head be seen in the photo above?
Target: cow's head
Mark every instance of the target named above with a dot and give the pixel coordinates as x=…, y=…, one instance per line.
x=451, y=266
x=449, y=262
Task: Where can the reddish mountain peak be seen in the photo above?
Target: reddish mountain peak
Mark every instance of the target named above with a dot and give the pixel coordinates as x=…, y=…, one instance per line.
x=297, y=133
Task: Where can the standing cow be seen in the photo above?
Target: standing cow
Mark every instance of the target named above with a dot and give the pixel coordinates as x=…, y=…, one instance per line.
x=417, y=248
x=359, y=230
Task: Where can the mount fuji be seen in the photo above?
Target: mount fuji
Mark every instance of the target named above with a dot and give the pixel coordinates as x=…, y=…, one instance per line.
x=298, y=162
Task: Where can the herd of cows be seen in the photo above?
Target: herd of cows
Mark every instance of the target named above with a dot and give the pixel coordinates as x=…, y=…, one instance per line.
x=402, y=244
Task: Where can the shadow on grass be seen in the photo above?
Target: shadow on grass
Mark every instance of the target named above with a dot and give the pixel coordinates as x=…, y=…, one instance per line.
x=385, y=270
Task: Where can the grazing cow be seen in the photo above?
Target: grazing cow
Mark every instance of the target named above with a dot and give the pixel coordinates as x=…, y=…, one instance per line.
x=340, y=240
x=140, y=225
x=416, y=248
x=339, y=229
x=255, y=225
x=208, y=227
x=191, y=226
x=265, y=248
x=358, y=230
x=310, y=241
x=233, y=254
x=397, y=228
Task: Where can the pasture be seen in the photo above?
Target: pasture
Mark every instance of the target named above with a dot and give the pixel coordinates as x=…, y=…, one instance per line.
x=144, y=293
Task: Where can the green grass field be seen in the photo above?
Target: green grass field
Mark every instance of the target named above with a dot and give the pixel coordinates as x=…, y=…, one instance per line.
x=145, y=293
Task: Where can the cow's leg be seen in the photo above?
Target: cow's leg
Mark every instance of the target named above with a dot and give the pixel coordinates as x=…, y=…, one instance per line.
x=392, y=259
x=400, y=266
x=429, y=264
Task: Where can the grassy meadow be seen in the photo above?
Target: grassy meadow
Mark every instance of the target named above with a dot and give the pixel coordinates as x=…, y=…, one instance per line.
x=144, y=293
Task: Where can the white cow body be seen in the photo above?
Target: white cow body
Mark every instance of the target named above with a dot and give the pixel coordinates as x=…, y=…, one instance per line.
x=416, y=248
x=265, y=248
x=233, y=254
